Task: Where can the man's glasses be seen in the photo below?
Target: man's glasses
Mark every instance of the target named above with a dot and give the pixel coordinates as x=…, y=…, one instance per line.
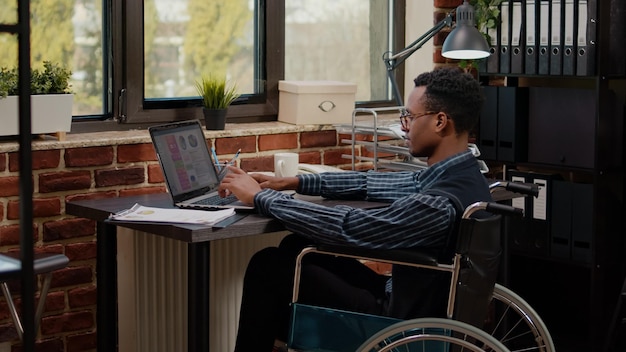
x=406, y=117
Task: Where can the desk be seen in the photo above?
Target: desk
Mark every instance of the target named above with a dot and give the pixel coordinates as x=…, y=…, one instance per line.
x=198, y=237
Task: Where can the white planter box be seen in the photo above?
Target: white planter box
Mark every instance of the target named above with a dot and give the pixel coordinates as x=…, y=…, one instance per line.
x=316, y=102
x=50, y=114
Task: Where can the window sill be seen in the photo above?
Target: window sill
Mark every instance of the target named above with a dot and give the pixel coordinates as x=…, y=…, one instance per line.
x=140, y=135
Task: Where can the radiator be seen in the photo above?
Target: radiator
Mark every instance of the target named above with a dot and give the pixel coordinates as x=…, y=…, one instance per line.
x=152, y=290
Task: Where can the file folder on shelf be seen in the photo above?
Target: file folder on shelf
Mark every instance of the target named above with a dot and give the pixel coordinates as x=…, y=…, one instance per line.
x=531, y=29
x=568, y=39
x=556, y=43
x=582, y=221
x=586, y=38
x=505, y=37
x=544, y=37
x=561, y=224
x=512, y=124
x=493, y=60
x=488, y=132
x=517, y=44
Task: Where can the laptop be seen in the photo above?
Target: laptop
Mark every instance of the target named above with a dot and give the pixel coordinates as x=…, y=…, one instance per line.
x=189, y=170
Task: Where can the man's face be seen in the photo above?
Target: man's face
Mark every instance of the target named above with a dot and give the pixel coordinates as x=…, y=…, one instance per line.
x=420, y=124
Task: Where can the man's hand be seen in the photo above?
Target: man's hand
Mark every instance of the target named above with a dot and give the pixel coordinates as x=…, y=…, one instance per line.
x=276, y=183
x=239, y=183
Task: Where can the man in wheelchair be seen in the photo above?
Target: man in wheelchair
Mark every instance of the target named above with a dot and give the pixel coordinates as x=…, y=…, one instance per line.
x=442, y=109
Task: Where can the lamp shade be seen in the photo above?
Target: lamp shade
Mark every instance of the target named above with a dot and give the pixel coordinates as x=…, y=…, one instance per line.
x=465, y=41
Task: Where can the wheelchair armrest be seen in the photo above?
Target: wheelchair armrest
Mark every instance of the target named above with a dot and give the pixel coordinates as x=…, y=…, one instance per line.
x=398, y=256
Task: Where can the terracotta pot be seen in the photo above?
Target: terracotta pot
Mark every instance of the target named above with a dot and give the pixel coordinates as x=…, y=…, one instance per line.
x=214, y=119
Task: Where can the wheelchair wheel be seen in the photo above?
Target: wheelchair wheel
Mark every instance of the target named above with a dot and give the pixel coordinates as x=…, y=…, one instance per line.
x=431, y=335
x=515, y=323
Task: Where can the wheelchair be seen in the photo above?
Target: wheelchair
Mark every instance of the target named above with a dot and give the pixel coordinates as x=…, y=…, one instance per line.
x=481, y=315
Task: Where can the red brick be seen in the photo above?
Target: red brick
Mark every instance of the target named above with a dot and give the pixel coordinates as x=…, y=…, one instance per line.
x=95, y=195
x=10, y=235
x=318, y=139
x=9, y=186
x=1, y=211
x=81, y=342
x=263, y=163
x=72, y=276
x=3, y=161
x=68, y=228
x=55, y=301
x=81, y=251
x=311, y=158
x=119, y=176
x=67, y=322
x=82, y=296
x=231, y=145
x=448, y=3
x=88, y=156
x=278, y=141
x=41, y=159
x=8, y=332
x=42, y=207
x=155, y=174
x=143, y=190
x=135, y=152
x=334, y=157
x=64, y=181
x=54, y=344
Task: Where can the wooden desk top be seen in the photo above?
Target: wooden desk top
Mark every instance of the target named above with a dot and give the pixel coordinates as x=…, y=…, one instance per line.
x=251, y=224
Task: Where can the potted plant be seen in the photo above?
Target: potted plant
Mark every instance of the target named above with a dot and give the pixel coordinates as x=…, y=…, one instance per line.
x=216, y=98
x=51, y=100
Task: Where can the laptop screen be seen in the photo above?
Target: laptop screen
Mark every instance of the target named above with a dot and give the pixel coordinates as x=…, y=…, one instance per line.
x=185, y=158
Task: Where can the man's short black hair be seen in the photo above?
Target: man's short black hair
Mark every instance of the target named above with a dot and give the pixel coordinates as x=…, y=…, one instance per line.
x=454, y=92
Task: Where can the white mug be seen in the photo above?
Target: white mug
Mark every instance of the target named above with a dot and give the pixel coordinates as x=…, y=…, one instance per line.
x=286, y=164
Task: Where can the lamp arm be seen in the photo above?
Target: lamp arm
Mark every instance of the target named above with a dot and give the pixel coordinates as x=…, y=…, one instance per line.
x=392, y=61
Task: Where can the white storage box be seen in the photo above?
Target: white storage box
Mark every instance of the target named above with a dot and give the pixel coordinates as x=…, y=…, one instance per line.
x=316, y=102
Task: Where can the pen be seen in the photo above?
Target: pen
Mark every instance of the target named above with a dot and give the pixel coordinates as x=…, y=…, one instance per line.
x=232, y=161
x=217, y=162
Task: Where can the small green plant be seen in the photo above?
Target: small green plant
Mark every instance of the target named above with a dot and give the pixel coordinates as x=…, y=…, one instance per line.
x=214, y=92
x=53, y=79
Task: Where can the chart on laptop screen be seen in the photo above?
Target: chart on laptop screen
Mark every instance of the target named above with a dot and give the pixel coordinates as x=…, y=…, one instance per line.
x=185, y=158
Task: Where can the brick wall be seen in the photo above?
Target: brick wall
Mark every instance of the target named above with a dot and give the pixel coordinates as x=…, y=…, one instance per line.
x=91, y=172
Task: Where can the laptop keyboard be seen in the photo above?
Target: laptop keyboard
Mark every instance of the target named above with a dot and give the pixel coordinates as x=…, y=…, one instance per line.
x=217, y=200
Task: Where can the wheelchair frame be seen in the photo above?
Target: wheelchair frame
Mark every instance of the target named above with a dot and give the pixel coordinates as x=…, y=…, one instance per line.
x=516, y=326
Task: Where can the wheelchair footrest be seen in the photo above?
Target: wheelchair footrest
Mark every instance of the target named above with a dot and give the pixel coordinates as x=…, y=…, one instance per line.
x=323, y=329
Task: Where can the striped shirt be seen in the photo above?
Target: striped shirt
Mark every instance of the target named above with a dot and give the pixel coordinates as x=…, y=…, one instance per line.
x=412, y=219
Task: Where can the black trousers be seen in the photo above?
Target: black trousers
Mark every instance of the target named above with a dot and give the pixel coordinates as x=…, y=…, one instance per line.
x=328, y=281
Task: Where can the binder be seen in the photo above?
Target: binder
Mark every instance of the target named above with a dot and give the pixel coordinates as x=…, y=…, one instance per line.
x=512, y=124
x=561, y=224
x=517, y=44
x=531, y=48
x=517, y=228
x=541, y=215
x=493, y=61
x=544, y=37
x=586, y=38
x=556, y=34
x=505, y=37
x=568, y=40
x=582, y=221
x=488, y=122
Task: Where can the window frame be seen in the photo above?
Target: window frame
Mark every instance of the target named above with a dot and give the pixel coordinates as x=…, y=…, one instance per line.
x=127, y=82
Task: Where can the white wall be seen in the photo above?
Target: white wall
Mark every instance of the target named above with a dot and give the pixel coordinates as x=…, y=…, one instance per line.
x=419, y=19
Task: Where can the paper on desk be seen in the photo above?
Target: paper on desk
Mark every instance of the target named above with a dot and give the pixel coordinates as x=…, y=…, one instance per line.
x=173, y=215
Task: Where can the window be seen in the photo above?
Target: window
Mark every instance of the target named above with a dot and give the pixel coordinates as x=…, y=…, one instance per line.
x=69, y=33
x=243, y=40
x=137, y=61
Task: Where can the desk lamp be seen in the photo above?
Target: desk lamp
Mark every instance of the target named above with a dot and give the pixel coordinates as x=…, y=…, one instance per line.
x=464, y=42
